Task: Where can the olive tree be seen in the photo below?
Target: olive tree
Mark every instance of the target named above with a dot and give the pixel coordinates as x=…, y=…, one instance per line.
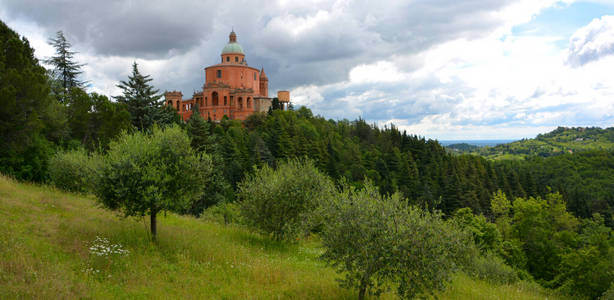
x=74, y=170
x=279, y=201
x=379, y=242
x=145, y=174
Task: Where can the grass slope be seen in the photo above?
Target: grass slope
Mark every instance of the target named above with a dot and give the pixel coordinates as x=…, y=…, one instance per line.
x=46, y=235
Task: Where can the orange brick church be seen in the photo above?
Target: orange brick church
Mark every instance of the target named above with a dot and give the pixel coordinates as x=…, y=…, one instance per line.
x=231, y=88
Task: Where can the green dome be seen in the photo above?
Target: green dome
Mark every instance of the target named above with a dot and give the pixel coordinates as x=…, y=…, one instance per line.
x=232, y=48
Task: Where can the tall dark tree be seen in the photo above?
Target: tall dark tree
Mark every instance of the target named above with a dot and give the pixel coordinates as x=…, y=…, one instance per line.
x=65, y=70
x=199, y=131
x=142, y=99
x=27, y=113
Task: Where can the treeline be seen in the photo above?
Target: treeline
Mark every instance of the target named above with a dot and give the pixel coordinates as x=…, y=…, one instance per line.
x=43, y=111
x=395, y=161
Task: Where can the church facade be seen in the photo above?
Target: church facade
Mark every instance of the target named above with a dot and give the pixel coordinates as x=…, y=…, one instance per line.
x=232, y=89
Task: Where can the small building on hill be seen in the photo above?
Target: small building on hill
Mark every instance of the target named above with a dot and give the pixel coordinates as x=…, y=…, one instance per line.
x=232, y=89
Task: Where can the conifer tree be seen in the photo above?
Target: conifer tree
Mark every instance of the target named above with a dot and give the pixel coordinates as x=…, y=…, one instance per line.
x=142, y=99
x=198, y=130
x=65, y=70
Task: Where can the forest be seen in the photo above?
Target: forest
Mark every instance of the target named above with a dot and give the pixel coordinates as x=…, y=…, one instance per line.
x=545, y=218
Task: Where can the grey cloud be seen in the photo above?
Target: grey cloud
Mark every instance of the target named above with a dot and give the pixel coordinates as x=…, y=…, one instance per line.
x=189, y=35
x=592, y=42
x=139, y=28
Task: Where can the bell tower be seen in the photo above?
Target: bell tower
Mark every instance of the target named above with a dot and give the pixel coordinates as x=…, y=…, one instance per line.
x=264, y=84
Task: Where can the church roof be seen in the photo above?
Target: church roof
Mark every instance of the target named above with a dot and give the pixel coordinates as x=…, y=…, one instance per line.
x=232, y=46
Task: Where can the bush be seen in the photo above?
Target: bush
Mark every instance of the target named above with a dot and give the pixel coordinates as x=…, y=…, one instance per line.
x=378, y=241
x=279, y=201
x=609, y=294
x=75, y=170
x=224, y=212
x=491, y=268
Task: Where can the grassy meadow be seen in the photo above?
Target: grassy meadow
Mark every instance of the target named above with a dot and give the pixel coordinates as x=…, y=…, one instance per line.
x=49, y=240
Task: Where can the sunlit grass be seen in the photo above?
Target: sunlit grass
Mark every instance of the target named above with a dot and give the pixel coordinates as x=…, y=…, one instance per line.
x=46, y=235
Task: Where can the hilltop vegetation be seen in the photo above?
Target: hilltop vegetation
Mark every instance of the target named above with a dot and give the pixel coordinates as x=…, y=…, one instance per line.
x=559, y=141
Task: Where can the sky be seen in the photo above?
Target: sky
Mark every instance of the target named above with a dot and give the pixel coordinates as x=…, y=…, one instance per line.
x=443, y=69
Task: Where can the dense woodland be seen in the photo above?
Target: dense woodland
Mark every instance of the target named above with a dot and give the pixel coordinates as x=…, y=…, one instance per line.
x=545, y=216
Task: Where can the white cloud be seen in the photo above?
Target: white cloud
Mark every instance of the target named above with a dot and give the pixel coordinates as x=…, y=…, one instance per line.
x=592, y=42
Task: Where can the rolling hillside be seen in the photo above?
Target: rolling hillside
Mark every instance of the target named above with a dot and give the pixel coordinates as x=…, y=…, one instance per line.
x=59, y=245
x=559, y=141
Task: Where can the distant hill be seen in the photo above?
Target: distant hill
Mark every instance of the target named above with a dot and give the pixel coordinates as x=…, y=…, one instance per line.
x=559, y=141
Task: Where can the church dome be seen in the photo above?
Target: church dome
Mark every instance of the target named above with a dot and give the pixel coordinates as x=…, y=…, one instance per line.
x=232, y=46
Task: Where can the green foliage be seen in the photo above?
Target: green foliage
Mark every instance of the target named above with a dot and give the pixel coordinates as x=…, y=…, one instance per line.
x=25, y=110
x=485, y=234
x=65, y=69
x=200, y=132
x=378, y=242
x=224, y=212
x=588, y=270
x=557, y=142
x=143, y=101
x=279, y=201
x=609, y=294
x=543, y=227
x=94, y=120
x=491, y=268
x=147, y=174
x=75, y=171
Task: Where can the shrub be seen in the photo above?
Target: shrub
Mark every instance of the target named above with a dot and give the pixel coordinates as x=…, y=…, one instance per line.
x=279, y=201
x=224, y=212
x=609, y=294
x=491, y=268
x=75, y=170
x=378, y=242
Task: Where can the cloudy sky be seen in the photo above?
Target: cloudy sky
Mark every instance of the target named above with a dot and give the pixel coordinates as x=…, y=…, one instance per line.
x=445, y=69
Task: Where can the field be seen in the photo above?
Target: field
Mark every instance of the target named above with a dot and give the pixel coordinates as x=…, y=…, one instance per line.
x=49, y=240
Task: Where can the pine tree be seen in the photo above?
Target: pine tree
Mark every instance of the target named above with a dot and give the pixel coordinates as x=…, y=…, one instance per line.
x=65, y=69
x=198, y=130
x=143, y=100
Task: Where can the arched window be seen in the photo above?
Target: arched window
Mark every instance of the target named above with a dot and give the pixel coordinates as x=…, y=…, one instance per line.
x=214, y=99
x=206, y=101
x=170, y=103
x=177, y=105
x=225, y=101
x=219, y=73
x=236, y=59
x=240, y=103
x=227, y=58
x=249, y=102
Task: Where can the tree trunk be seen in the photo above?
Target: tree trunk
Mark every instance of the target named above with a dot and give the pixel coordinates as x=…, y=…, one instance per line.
x=153, y=225
x=361, y=291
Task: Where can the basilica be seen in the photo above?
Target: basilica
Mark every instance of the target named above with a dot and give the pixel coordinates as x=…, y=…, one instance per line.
x=232, y=89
